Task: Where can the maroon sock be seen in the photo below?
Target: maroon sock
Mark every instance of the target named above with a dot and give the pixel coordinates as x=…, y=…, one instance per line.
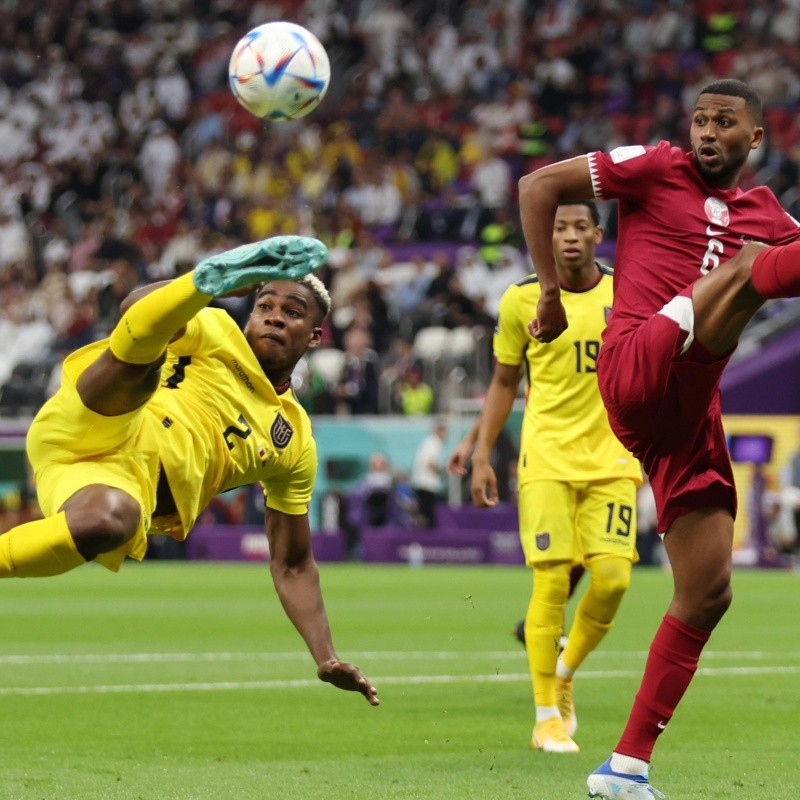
x=776, y=271
x=671, y=664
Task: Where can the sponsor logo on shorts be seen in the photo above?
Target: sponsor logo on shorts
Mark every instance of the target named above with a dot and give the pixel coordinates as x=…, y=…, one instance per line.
x=543, y=540
x=281, y=431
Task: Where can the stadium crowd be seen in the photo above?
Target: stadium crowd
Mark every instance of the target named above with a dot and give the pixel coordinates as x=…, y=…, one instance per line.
x=126, y=159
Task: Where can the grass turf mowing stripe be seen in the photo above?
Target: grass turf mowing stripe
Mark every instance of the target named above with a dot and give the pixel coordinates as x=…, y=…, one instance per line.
x=221, y=686
x=421, y=655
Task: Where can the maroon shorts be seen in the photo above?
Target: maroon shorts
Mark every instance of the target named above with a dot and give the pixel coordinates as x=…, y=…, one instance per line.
x=665, y=407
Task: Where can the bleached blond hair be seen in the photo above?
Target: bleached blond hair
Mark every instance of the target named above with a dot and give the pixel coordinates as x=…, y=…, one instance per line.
x=321, y=294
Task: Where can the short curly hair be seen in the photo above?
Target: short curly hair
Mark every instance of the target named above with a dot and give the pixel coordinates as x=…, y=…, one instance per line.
x=317, y=289
x=320, y=293
x=735, y=88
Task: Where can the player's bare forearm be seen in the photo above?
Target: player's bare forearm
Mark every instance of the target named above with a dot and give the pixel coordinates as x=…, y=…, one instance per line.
x=540, y=194
x=496, y=408
x=538, y=201
x=296, y=578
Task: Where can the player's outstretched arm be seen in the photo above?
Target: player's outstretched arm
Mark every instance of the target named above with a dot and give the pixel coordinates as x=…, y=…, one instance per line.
x=296, y=578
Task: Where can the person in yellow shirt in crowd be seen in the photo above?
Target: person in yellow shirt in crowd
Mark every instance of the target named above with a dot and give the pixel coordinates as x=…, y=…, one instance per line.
x=415, y=396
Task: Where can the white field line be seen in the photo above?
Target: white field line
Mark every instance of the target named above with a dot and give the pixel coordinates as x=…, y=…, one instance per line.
x=383, y=655
x=222, y=686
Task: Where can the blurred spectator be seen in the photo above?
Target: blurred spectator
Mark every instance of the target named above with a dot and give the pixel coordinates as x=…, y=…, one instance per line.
x=780, y=508
x=789, y=501
x=376, y=501
x=357, y=389
x=473, y=272
x=491, y=178
x=427, y=474
x=414, y=396
x=123, y=280
x=15, y=245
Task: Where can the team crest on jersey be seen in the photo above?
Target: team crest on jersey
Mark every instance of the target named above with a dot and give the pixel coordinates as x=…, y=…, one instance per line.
x=281, y=431
x=543, y=540
x=717, y=212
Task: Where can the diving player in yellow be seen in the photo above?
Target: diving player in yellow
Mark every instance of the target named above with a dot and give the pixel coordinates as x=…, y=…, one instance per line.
x=176, y=406
x=576, y=483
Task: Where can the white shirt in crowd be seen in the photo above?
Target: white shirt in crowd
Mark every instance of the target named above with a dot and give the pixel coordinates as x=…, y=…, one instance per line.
x=428, y=467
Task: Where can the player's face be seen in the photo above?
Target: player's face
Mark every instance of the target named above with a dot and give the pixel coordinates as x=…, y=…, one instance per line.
x=282, y=326
x=723, y=133
x=575, y=237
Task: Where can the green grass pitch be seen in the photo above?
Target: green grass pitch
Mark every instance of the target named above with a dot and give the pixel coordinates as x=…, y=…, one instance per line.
x=174, y=681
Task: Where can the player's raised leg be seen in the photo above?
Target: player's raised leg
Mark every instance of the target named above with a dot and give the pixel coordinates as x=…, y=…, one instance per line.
x=103, y=509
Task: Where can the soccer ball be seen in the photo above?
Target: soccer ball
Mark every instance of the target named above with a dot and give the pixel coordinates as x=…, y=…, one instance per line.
x=279, y=71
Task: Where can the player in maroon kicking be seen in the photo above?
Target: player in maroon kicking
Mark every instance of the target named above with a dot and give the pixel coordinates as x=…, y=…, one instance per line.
x=692, y=269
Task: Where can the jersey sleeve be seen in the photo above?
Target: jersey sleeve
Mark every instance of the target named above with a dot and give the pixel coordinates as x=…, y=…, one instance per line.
x=787, y=228
x=629, y=171
x=511, y=333
x=291, y=491
x=204, y=332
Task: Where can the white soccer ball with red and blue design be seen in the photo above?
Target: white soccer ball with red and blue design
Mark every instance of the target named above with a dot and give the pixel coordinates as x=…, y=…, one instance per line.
x=279, y=71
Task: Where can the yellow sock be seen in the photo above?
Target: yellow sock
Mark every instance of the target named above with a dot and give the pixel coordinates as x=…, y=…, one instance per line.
x=594, y=617
x=543, y=627
x=38, y=549
x=147, y=327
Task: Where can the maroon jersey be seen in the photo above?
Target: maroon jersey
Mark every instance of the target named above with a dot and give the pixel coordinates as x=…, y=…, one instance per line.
x=674, y=227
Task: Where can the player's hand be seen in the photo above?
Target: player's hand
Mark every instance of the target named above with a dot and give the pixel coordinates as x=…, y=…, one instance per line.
x=348, y=677
x=551, y=320
x=457, y=463
x=483, y=486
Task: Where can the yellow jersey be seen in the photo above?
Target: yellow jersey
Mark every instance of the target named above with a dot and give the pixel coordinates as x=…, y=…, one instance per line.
x=565, y=431
x=217, y=422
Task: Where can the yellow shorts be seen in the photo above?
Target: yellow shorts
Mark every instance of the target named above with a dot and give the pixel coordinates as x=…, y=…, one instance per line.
x=561, y=521
x=71, y=447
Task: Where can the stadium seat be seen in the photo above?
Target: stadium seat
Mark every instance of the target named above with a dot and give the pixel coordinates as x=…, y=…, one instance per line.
x=328, y=363
x=26, y=389
x=430, y=346
x=461, y=343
